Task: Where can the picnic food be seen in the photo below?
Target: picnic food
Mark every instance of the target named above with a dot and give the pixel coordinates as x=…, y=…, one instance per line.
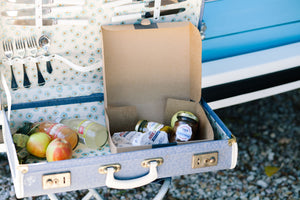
x=37, y=144
x=90, y=133
x=145, y=126
x=20, y=140
x=58, y=130
x=134, y=138
x=58, y=149
x=186, y=126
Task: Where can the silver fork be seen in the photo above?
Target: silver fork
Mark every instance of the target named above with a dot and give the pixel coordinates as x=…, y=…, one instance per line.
x=20, y=51
x=32, y=49
x=9, y=52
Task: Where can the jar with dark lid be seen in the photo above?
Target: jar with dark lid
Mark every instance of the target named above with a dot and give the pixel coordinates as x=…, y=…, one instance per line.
x=144, y=126
x=186, y=126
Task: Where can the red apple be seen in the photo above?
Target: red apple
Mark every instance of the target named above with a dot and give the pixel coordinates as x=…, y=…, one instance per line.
x=37, y=144
x=58, y=149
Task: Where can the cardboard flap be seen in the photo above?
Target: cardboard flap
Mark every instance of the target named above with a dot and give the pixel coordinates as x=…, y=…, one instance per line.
x=144, y=67
x=123, y=118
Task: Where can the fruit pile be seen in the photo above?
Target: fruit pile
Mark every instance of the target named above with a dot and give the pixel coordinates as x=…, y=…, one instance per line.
x=31, y=141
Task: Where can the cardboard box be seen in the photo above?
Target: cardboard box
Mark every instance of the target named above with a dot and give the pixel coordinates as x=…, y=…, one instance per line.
x=151, y=72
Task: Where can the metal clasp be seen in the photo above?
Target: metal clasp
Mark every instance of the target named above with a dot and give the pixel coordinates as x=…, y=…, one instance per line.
x=204, y=160
x=103, y=169
x=57, y=180
x=146, y=163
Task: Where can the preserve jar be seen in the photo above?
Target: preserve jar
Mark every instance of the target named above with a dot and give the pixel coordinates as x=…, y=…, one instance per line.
x=186, y=126
x=145, y=126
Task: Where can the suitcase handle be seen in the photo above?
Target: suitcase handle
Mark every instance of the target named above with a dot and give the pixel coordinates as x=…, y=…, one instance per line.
x=132, y=183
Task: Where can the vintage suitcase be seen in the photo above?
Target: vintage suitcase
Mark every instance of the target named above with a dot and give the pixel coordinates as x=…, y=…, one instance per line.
x=91, y=92
x=126, y=169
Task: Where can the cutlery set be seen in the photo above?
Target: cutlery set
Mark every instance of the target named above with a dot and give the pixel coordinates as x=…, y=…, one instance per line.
x=126, y=10
x=61, y=12
x=22, y=48
x=47, y=22
x=35, y=13
x=79, y=2
x=45, y=13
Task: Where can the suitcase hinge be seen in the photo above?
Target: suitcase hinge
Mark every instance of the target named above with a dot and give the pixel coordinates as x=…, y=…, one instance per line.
x=203, y=28
x=3, y=107
x=232, y=140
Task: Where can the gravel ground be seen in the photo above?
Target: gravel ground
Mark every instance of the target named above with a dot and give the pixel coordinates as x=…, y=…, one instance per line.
x=268, y=133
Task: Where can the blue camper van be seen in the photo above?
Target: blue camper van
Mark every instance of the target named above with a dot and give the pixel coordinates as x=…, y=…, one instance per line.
x=251, y=49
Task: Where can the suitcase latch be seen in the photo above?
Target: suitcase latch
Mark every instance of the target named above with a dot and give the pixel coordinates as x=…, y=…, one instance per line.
x=57, y=180
x=204, y=160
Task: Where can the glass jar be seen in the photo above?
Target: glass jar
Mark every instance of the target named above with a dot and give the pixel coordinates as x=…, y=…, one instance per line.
x=186, y=126
x=145, y=126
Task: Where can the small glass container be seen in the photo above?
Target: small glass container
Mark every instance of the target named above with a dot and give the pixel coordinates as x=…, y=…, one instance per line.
x=186, y=126
x=144, y=126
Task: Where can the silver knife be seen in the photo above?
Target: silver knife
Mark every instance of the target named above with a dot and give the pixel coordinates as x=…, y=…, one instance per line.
x=48, y=22
x=117, y=3
x=148, y=14
x=31, y=11
x=63, y=2
x=147, y=4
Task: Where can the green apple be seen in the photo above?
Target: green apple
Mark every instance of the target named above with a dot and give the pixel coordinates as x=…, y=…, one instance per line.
x=59, y=149
x=37, y=144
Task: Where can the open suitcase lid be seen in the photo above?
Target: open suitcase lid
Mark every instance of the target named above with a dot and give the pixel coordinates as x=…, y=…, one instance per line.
x=144, y=66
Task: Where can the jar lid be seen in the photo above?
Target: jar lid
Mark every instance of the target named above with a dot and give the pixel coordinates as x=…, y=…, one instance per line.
x=188, y=115
x=139, y=124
